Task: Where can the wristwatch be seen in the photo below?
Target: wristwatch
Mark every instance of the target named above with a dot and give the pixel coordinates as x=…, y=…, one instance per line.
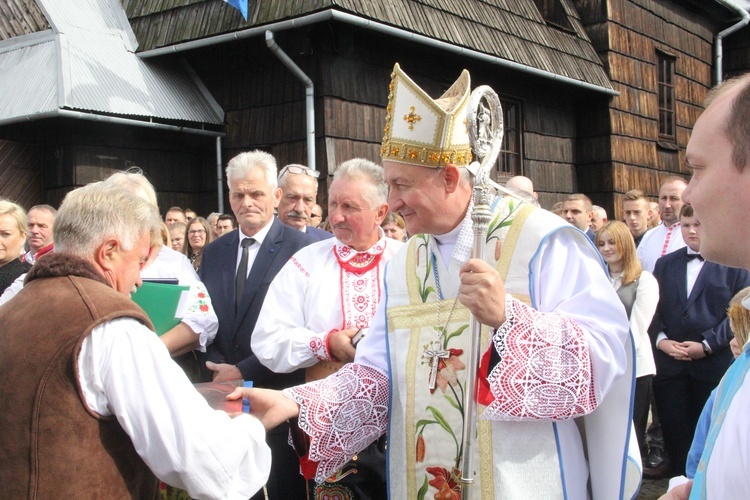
x=706, y=348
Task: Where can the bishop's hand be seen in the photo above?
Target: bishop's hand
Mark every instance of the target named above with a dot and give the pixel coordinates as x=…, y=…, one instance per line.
x=482, y=291
x=269, y=406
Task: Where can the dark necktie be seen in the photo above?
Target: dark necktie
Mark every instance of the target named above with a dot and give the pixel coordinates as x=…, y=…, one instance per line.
x=692, y=256
x=241, y=277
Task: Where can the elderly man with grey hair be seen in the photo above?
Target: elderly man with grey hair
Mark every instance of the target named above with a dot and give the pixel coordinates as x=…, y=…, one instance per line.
x=92, y=387
x=323, y=299
x=299, y=187
x=237, y=270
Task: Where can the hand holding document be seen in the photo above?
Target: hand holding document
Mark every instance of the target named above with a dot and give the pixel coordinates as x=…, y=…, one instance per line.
x=165, y=304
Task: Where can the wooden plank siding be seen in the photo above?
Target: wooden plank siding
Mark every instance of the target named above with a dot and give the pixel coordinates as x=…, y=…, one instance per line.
x=20, y=173
x=635, y=31
x=20, y=17
x=512, y=29
x=67, y=153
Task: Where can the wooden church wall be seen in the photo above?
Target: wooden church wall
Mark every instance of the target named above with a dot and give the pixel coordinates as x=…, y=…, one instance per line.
x=628, y=36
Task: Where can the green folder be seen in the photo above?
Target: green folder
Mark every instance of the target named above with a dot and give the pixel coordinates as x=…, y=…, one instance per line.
x=164, y=304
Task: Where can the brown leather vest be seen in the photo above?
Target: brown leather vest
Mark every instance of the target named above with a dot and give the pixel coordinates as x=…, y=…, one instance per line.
x=52, y=444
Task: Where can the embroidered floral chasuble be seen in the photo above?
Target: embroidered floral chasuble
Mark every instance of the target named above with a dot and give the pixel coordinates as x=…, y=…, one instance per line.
x=528, y=444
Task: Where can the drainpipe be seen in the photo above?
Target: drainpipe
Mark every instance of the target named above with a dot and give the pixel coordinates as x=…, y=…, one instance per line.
x=309, y=95
x=718, y=50
x=219, y=175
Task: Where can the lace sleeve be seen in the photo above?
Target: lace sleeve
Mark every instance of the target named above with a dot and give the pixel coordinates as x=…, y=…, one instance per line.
x=342, y=414
x=544, y=372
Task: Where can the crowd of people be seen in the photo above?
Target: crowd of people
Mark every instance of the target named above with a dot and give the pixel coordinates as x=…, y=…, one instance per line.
x=352, y=323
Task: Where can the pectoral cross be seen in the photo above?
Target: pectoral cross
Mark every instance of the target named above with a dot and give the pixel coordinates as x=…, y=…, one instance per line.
x=435, y=357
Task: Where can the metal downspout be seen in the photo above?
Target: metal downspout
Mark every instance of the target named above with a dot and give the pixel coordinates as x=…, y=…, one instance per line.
x=219, y=175
x=309, y=95
x=718, y=49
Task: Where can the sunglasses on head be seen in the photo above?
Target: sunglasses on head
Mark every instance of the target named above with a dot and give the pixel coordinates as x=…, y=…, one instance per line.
x=293, y=169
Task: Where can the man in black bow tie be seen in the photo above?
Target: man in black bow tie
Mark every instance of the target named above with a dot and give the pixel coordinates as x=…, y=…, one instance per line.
x=691, y=334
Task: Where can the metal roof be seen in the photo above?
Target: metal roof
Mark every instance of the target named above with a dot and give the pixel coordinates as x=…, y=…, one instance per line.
x=87, y=62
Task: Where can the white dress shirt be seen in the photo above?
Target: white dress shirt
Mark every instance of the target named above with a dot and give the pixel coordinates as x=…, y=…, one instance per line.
x=126, y=371
x=252, y=250
x=652, y=245
x=305, y=302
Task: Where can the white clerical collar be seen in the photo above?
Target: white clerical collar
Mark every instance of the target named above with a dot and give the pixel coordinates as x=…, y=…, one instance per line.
x=260, y=235
x=457, y=242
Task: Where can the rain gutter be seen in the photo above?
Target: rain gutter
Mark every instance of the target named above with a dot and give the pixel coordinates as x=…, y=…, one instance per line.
x=334, y=15
x=67, y=113
x=718, y=48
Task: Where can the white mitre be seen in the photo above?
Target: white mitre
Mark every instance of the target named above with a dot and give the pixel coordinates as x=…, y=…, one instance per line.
x=423, y=131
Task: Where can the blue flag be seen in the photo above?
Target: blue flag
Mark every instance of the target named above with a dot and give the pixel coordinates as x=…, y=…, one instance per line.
x=240, y=5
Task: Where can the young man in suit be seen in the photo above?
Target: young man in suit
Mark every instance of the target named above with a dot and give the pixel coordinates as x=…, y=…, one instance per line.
x=691, y=334
x=237, y=270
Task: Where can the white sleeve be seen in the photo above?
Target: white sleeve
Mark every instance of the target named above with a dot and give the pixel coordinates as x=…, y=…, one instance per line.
x=126, y=370
x=200, y=315
x=372, y=350
x=281, y=340
x=12, y=289
x=568, y=278
x=644, y=307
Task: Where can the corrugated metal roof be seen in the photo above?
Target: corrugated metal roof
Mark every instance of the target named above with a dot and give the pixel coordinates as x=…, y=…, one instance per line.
x=28, y=84
x=91, y=66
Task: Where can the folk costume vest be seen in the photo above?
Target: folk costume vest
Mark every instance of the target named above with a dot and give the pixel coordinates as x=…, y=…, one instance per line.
x=54, y=445
x=428, y=338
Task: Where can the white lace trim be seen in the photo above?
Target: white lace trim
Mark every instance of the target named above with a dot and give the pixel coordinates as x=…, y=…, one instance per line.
x=545, y=369
x=342, y=414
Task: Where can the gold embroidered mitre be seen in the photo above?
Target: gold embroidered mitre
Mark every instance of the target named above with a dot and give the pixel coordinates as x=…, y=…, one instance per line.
x=423, y=131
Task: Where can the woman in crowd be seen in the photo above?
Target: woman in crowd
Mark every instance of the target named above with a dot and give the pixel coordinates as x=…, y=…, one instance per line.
x=177, y=236
x=639, y=293
x=197, y=236
x=394, y=226
x=13, y=233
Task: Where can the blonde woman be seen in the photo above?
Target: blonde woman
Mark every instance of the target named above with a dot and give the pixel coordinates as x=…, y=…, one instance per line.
x=639, y=292
x=394, y=226
x=13, y=234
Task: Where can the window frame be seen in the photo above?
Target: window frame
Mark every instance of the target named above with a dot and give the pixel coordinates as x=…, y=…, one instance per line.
x=665, y=94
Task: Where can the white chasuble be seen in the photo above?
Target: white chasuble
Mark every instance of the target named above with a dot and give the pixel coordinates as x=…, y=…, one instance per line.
x=531, y=447
x=557, y=361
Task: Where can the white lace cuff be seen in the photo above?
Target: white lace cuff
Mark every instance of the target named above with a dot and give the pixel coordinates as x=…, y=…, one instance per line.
x=342, y=414
x=545, y=370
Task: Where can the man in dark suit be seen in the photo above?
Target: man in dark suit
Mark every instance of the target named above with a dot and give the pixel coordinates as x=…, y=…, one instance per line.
x=237, y=270
x=299, y=187
x=691, y=333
